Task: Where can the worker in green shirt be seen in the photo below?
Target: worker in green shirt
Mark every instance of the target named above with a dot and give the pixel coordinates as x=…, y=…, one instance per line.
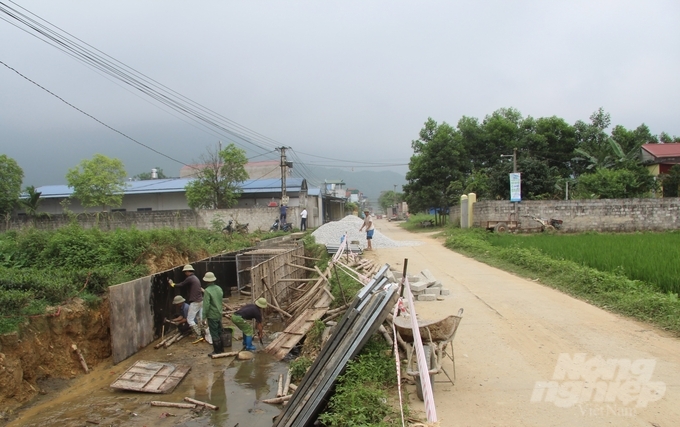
x=212, y=310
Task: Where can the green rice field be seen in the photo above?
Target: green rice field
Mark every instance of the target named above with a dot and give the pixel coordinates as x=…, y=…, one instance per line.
x=653, y=258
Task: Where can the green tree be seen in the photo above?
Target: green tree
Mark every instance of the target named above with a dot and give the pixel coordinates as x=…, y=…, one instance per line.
x=592, y=142
x=11, y=177
x=666, y=138
x=144, y=176
x=439, y=159
x=671, y=182
x=538, y=179
x=388, y=199
x=632, y=140
x=217, y=183
x=98, y=182
x=615, y=183
x=548, y=139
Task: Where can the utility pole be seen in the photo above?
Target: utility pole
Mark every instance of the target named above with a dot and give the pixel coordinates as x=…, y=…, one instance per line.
x=284, y=166
x=514, y=170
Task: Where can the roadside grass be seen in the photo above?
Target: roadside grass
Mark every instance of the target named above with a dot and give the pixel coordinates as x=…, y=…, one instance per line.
x=610, y=290
x=39, y=268
x=362, y=393
x=343, y=286
x=413, y=223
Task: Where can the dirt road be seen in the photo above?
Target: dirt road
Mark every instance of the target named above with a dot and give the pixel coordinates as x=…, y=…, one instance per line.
x=516, y=333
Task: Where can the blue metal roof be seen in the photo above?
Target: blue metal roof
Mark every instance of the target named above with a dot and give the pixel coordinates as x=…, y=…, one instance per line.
x=177, y=185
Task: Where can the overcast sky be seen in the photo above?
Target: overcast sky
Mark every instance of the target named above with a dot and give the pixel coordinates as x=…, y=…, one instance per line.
x=348, y=80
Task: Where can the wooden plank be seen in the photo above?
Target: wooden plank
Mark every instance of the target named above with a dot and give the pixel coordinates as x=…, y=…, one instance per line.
x=143, y=377
x=294, y=332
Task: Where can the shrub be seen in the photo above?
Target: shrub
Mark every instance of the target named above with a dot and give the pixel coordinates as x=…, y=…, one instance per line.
x=360, y=397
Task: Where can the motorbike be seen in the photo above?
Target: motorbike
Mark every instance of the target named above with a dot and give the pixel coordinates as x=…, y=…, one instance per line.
x=239, y=228
x=285, y=227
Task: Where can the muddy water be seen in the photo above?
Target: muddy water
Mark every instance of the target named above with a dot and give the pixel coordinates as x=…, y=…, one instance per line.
x=237, y=387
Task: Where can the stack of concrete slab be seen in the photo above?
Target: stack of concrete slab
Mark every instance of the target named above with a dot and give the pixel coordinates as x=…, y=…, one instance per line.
x=424, y=287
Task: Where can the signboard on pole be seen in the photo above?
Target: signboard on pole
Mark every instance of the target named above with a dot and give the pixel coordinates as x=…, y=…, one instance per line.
x=515, y=187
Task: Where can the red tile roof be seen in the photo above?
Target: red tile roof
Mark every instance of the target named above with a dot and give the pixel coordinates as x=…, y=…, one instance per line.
x=663, y=150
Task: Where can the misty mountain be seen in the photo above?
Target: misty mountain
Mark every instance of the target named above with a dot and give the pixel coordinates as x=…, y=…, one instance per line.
x=369, y=182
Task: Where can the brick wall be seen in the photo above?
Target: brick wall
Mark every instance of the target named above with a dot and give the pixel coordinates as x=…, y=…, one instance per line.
x=622, y=215
x=256, y=217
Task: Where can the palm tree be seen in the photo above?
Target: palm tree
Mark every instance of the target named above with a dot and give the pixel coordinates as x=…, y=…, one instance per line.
x=31, y=203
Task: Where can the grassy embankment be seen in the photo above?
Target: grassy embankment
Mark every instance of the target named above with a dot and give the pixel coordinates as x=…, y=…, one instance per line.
x=637, y=275
x=47, y=268
x=362, y=393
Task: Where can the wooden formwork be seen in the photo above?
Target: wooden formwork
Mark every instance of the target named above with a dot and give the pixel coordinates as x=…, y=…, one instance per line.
x=274, y=277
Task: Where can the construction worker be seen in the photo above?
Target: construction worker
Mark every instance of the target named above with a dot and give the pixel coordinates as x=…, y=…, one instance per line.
x=182, y=310
x=212, y=310
x=242, y=318
x=195, y=297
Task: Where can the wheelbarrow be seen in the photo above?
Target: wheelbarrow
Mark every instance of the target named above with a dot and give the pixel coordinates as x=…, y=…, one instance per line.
x=437, y=337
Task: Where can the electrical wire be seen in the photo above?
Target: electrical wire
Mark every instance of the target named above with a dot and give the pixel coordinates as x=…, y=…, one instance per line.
x=94, y=118
x=106, y=65
x=63, y=40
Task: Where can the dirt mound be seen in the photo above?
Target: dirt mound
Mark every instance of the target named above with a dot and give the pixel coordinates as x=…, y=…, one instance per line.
x=168, y=259
x=41, y=349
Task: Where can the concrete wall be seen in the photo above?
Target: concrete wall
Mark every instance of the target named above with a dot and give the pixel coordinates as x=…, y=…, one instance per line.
x=622, y=215
x=131, y=317
x=138, y=307
x=257, y=217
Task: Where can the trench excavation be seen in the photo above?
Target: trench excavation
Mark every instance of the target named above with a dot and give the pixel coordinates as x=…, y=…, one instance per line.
x=229, y=390
x=38, y=363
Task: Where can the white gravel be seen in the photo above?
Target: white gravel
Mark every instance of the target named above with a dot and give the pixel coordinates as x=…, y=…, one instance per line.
x=332, y=232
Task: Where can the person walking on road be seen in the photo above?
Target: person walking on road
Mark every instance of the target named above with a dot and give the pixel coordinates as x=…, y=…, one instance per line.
x=212, y=310
x=242, y=318
x=303, y=219
x=368, y=224
x=195, y=297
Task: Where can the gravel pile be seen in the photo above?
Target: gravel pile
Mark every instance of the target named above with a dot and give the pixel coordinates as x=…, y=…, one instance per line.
x=332, y=232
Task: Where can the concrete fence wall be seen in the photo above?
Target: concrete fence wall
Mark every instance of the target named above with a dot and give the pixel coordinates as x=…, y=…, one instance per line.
x=257, y=217
x=622, y=215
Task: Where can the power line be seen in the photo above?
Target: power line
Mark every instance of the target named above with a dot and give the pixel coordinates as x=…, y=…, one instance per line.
x=64, y=41
x=90, y=56
x=94, y=118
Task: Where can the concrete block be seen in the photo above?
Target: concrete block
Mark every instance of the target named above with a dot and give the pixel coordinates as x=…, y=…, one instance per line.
x=413, y=279
x=416, y=293
x=445, y=292
x=418, y=286
x=432, y=291
x=427, y=275
x=427, y=297
x=440, y=298
x=397, y=274
x=390, y=276
x=436, y=284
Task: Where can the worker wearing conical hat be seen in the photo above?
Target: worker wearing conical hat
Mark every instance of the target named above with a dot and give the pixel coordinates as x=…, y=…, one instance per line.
x=212, y=310
x=195, y=297
x=242, y=317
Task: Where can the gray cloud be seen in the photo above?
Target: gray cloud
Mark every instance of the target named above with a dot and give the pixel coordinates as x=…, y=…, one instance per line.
x=350, y=80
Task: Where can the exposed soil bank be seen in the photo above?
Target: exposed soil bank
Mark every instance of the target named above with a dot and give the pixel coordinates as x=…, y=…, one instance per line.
x=41, y=350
